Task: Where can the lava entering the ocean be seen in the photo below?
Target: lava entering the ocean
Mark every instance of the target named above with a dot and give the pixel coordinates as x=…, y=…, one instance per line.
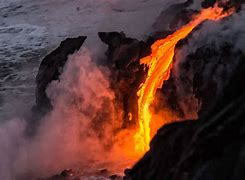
x=159, y=64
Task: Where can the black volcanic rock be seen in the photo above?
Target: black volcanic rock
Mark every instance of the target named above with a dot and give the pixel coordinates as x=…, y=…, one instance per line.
x=210, y=148
x=123, y=55
x=203, y=74
x=50, y=69
x=181, y=13
x=173, y=16
x=222, y=3
x=123, y=51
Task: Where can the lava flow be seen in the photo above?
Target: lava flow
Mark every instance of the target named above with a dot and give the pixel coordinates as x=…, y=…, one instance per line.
x=159, y=64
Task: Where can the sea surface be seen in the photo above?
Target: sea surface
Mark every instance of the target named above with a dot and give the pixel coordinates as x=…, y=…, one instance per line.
x=30, y=29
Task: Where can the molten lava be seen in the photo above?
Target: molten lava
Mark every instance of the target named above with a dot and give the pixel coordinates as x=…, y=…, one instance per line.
x=159, y=64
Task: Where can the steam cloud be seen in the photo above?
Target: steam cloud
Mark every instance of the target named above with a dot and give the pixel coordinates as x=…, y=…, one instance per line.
x=66, y=137
x=73, y=134
x=212, y=35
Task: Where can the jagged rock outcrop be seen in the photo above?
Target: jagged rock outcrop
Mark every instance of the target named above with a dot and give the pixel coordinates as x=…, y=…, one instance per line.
x=202, y=73
x=50, y=69
x=69, y=174
x=225, y=4
x=211, y=147
x=179, y=14
x=123, y=57
x=173, y=16
x=210, y=61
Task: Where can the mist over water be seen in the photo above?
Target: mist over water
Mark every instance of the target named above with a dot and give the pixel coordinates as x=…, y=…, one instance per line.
x=67, y=136
x=72, y=135
x=28, y=31
x=31, y=29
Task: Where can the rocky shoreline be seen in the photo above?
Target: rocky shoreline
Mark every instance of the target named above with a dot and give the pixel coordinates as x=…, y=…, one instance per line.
x=211, y=147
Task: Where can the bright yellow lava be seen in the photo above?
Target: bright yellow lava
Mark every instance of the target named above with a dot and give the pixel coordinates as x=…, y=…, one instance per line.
x=159, y=65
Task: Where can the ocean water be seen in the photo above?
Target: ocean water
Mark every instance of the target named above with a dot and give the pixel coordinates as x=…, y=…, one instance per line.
x=29, y=29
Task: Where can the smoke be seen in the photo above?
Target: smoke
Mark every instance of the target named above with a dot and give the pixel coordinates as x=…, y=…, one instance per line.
x=228, y=30
x=79, y=132
x=10, y=142
x=202, y=66
x=207, y=59
x=76, y=134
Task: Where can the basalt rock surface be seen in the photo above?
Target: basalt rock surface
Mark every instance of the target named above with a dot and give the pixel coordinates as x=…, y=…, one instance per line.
x=203, y=73
x=123, y=60
x=69, y=174
x=213, y=146
x=123, y=55
x=50, y=69
x=210, y=148
x=173, y=16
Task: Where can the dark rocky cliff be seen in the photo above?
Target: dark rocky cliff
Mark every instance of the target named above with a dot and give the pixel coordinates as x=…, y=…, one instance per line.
x=51, y=67
x=211, y=147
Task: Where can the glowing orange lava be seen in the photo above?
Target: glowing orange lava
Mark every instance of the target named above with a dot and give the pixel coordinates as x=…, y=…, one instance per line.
x=159, y=64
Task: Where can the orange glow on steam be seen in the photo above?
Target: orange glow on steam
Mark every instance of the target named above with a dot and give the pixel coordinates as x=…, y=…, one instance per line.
x=159, y=64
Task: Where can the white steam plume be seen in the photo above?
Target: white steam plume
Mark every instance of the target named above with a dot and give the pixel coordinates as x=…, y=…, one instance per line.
x=210, y=34
x=67, y=136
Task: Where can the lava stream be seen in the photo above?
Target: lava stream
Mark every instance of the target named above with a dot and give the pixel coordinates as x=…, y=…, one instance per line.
x=159, y=64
